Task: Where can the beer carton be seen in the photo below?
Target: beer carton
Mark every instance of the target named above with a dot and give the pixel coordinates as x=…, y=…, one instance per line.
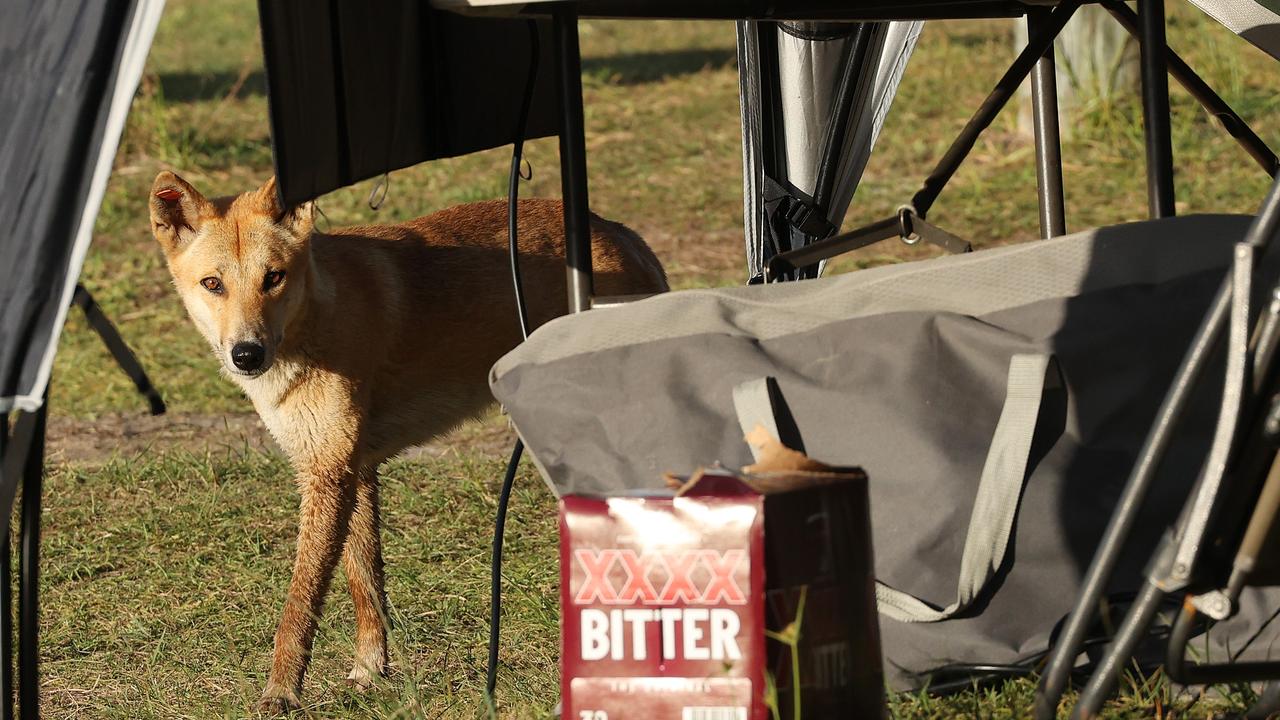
x=667, y=598
x=662, y=605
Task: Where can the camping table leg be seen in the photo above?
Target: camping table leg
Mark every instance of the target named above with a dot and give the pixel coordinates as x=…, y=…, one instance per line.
x=573, y=158
x=1155, y=109
x=1044, y=112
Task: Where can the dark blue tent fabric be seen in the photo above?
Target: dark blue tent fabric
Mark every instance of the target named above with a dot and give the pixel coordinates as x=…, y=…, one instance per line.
x=361, y=87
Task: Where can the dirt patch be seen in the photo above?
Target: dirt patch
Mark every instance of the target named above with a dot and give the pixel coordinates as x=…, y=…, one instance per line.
x=95, y=441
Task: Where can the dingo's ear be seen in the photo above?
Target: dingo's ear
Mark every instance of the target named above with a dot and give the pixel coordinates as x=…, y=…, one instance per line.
x=177, y=210
x=298, y=220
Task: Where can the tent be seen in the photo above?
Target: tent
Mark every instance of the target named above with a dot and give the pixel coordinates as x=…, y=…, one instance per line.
x=71, y=71
x=360, y=89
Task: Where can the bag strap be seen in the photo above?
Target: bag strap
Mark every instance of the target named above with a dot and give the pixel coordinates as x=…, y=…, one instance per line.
x=999, y=490
x=760, y=402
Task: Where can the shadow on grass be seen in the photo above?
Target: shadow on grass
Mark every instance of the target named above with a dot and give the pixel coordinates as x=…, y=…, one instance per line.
x=643, y=67
x=629, y=68
x=196, y=86
x=624, y=69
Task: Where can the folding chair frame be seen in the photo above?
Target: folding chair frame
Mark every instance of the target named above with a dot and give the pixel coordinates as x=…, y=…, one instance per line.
x=1036, y=60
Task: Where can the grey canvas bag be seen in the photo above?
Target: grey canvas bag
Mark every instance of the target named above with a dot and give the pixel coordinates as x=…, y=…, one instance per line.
x=996, y=400
x=995, y=503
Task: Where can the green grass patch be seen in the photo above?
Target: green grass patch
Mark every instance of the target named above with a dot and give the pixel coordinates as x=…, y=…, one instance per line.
x=164, y=575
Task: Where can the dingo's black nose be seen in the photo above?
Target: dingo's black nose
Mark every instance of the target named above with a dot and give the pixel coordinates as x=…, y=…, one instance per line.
x=247, y=356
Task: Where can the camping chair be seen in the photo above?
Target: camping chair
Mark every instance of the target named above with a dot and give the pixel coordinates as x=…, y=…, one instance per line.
x=1217, y=545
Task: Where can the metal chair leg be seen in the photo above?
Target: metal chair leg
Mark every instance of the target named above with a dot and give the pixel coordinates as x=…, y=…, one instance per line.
x=1057, y=672
x=1119, y=652
x=1267, y=705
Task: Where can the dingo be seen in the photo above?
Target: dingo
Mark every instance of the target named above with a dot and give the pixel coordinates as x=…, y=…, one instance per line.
x=357, y=344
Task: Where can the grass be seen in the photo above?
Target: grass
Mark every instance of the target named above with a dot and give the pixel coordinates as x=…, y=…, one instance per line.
x=164, y=571
x=163, y=577
x=163, y=574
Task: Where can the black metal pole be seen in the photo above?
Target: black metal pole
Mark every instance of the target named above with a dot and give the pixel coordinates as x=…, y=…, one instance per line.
x=6, y=604
x=1063, y=656
x=1183, y=672
x=1039, y=43
x=1107, y=674
x=810, y=255
x=573, y=159
x=1200, y=90
x=1044, y=112
x=1155, y=108
x=29, y=573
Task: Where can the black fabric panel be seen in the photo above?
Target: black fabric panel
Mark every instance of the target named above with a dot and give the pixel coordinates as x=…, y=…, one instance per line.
x=57, y=72
x=357, y=89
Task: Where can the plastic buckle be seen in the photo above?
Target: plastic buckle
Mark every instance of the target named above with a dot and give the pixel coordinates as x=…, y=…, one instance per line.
x=808, y=219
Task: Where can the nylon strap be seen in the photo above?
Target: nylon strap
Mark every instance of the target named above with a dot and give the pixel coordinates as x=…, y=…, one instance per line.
x=999, y=489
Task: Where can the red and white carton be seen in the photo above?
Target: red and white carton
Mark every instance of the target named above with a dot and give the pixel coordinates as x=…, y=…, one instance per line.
x=662, y=602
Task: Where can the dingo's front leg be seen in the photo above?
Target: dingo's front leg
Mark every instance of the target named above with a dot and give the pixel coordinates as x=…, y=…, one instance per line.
x=362, y=561
x=327, y=501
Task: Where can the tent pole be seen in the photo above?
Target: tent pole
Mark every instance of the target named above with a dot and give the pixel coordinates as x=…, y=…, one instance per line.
x=29, y=570
x=6, y=629
x=573, y=158
x=1155, y=108
x=119, y=350
x=6, y=605
x=1044, y=112
x=24, y=459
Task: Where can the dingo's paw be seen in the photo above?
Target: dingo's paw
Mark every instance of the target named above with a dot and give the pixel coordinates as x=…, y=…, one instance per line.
x=362, y=677
x=277, y=701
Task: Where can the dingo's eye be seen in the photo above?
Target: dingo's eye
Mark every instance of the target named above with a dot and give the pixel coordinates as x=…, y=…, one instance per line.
x=272, y=279
x=213, y=285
